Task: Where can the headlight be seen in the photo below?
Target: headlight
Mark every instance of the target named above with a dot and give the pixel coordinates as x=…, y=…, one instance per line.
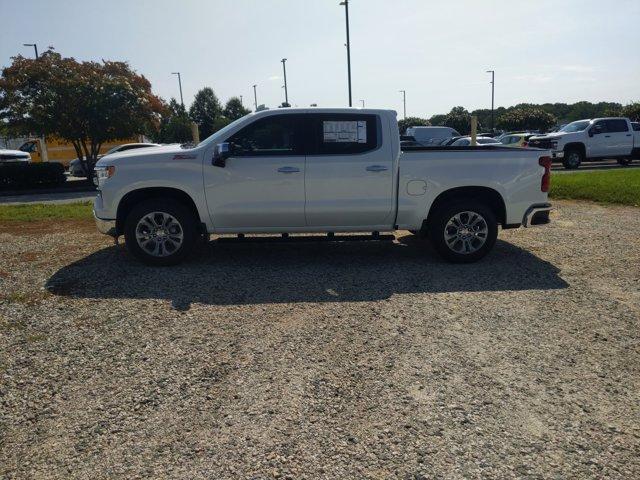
x=103, y=173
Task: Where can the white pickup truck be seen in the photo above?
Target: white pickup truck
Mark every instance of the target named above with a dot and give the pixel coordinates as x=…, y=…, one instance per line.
x=318, y=170
x=614, y=137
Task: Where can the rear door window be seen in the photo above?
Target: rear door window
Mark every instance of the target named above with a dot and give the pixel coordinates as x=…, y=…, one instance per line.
x=617, y=125
x=344, y=134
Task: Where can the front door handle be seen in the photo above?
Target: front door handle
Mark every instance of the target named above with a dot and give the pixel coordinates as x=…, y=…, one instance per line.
x=607, y=136
x=288, y=169
x=376, y=168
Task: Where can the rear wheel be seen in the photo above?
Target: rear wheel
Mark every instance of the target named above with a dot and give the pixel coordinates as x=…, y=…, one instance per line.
x=573, y=157
x=160, y=232
x=463, y=232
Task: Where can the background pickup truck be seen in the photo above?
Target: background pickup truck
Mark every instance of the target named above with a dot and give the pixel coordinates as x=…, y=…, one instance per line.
x=318, y=170
x=614, y=137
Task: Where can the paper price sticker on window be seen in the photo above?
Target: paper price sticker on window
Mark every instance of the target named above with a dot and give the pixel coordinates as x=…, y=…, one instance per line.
x=345, y=132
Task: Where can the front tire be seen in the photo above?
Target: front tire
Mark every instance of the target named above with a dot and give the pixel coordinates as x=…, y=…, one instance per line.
x=160, y=232
x=573, y=157
x=463, y=232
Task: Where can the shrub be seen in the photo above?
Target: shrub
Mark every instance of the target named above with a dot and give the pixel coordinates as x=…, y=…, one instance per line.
x=31, y=175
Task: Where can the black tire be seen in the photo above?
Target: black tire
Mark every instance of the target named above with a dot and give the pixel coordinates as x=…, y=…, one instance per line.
x=440, y=222
x=179, y=220
x=573, y=157
x=624, y=161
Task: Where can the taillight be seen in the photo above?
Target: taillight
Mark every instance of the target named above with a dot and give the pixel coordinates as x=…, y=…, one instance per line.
x=546, y=176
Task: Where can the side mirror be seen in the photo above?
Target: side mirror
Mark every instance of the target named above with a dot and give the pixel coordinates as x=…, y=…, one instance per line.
x=220, y=154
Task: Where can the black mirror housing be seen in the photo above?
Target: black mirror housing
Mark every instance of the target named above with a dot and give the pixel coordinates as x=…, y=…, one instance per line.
x=220, y=154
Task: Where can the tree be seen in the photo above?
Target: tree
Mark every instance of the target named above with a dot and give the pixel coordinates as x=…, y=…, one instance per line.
x=632, y=111
x=174, y=126
x=205, y=110
x=526, y=118
x=84, y=103
x=234, y=109
x=412, y=122
x=438, y=119
x=459, y=119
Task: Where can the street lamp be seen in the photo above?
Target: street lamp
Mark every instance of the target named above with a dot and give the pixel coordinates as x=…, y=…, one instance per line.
x=179, y=85
x=284, y=69
x=493, y=86
x=241, y=101
x=346, y=13
x=255, y=96
x=404, y=102
x=362, y=103
x=35, y=47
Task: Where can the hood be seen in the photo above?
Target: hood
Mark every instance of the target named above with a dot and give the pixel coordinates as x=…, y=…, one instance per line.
x=550, y=136
x=17, y=155
x=138, y=153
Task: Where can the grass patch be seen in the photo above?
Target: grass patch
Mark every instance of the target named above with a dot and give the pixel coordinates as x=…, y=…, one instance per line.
x=40, y=211
x=613, y=186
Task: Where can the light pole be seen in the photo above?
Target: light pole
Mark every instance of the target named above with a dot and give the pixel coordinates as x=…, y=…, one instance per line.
x=493, y=87
x=404, y=102
x=255, y=96
x=284, y=69
x=362, y=103
x=179, y=85
x=346, y=14
x=35, y=47
x=241, y=101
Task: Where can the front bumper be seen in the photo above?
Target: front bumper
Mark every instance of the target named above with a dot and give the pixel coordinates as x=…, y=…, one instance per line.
x=537, y=215
x=557, y=154
x=108, y=227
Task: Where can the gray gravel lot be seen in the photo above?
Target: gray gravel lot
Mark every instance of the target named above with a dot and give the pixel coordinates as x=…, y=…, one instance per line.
x=324, y=360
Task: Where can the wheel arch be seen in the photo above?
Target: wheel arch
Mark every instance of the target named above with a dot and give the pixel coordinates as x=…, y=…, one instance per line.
x=488, y=195
x=134, y=197
x=576, y=145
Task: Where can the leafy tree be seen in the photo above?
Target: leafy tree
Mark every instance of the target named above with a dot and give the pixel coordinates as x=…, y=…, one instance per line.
x=412, y=122
x=84, y=103
x=234, y=109
x=438, y=119
x=175, y=125
x=459, y=119
x=205, y=110
x=632, y=111
x=526, y=118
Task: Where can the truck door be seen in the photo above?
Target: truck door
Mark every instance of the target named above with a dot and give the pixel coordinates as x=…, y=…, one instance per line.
x=619, y=136
x=349, y=174
x=598, y=143
x=262, y=183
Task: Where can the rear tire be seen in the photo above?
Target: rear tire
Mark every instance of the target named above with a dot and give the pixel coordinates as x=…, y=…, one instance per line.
x=160, y=232
x=573, y=157
x=463, y=232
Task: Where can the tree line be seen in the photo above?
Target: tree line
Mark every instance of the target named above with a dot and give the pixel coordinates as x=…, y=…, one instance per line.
x=525, y=116
x=91, y=103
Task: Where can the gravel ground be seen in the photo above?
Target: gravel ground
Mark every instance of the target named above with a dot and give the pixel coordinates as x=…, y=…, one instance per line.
x=324, y=360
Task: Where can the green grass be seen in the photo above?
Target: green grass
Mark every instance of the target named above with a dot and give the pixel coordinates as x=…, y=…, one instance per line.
x=612, y=186
x=39, y=211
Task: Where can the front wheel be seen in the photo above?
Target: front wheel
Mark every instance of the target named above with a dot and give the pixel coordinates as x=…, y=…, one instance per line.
x=160, y=232
x=463, y=232
x=572, y=158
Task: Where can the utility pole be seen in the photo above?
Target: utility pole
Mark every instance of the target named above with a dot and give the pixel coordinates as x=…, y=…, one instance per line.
x=179, y=85
x=362, y=103
x=35, y=47
x=284, y=69
x=346, y=13
x=404, y=102
x=255, y=96
x=493, y=87
x=241, y=101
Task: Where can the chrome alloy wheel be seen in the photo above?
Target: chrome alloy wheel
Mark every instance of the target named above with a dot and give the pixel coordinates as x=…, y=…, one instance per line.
x=466, y=232
x=159, y=234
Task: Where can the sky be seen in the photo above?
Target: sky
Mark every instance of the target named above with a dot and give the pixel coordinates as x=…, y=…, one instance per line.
x=438, y=51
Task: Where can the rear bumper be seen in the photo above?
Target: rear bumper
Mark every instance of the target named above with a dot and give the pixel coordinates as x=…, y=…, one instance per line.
x=108, y=227
x=537, y=215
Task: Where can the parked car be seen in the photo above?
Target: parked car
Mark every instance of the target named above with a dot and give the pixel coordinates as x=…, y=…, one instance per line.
x=317, y=170
x=590, y=139
x=13, y=157
x=77, y=170
x=431, y=135
x=466, y=141
x=517, y=139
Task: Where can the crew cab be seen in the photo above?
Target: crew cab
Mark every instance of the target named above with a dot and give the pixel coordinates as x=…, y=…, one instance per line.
x=318, y=170
x=613, y=137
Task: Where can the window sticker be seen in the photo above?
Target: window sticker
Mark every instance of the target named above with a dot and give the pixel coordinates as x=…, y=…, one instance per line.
x=345, y=132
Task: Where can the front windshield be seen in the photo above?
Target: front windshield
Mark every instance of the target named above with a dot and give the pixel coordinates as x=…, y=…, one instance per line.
x=111, y=150
x=222, y=132
x=578, y=126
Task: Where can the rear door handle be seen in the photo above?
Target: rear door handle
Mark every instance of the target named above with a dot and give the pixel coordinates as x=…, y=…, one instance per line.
x=376, y=168
x=628, y=134
x=607, y=136
x=288, y=169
